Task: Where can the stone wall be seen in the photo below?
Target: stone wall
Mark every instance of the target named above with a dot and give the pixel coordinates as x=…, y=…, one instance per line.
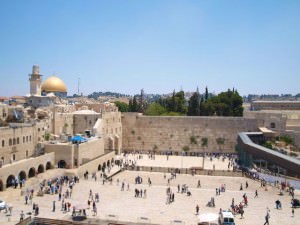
x=63, y=123
x=23, y=168
x=17, y=142
x=96, y=164
x=90, y=150
x=163, y=133
x=112, y=131
x=275, y=121
x=75, y=155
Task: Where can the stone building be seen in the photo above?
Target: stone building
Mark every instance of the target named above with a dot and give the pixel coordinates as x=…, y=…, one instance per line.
x=275, y=105
x=3, y=111
x=40, y=141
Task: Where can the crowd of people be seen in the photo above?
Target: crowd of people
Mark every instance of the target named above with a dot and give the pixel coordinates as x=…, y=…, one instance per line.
x=62, y=187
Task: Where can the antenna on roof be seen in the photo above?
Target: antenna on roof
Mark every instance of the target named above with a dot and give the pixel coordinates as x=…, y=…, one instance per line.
x=78, y=86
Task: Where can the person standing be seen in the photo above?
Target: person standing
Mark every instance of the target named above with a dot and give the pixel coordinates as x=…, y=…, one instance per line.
x=21, y=216
x=256, y=194
x=197, y=210
x=293, y=212
x=53, y=206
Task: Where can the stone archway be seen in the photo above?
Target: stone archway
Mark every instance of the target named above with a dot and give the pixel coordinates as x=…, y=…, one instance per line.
x=31, y=172
x=10, y=181
x=41, y=168
x=22, y=175
x=62, y=164
x=48, y=165
x=99, y=167
x=1, y=186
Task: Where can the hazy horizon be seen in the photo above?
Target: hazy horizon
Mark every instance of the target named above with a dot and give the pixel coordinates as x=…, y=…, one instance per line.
x=124, y=46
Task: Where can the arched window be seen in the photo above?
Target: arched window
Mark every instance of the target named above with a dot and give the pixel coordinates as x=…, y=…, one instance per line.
x=10, y=142
x=30, y=138
x=273, y=125
x=18, y=141
x=3, y=143
x=14, y=141
x=23, y=139
x=26, y=138
x=14, y=157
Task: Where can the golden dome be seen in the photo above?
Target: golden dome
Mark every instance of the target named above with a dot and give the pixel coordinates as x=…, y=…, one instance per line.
x=54, y=84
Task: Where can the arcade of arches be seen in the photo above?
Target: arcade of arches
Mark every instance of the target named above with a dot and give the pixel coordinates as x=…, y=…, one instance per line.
x=23, y=175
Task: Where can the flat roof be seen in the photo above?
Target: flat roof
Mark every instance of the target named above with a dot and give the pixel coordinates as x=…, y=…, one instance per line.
x=277, y=101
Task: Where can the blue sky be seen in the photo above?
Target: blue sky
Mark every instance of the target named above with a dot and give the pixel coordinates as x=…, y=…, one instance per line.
x=157, y=45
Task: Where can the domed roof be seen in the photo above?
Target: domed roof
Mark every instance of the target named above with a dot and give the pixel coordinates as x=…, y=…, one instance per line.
x=54, y=84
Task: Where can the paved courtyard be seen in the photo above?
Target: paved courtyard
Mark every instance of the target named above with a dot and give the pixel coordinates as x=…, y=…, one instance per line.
x=125, y=207
x=181, y=161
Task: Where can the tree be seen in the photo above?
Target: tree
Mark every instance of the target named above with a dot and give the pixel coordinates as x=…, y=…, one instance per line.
x=287, y=139
x=173, y=102
x=134, y=105
x=180, y=102
x=227, y=103
x=130, y=105
x=155, y=109
x=206, y=94
x=122, y=106
x=194, y=105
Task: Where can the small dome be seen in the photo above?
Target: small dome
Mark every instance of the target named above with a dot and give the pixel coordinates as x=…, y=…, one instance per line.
x=54, y=84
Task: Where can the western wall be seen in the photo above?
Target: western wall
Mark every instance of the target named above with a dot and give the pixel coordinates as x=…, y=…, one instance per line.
x=166, y=134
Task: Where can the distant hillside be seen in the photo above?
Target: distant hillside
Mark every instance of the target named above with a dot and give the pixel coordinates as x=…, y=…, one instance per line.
x=96, y=95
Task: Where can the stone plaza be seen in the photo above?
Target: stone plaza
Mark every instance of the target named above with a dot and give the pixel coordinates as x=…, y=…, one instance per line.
x=123, y=207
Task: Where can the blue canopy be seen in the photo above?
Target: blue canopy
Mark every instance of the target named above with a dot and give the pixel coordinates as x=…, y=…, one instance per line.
x=78, y=138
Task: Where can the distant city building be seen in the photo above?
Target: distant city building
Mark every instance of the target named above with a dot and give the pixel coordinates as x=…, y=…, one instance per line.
x=275, y=105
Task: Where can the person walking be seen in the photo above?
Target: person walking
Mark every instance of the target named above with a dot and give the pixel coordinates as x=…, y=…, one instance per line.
x=256, y=194
x=293, y=212
x=267, y=217
x=53, y=206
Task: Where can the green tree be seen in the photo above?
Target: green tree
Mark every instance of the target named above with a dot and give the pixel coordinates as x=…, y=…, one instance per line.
x=180, y=102
x=206, y=93
x=287, y=139
x=155, y=109
x=194, y=105
x=122, y=106
x=135, y=107
x=130, y=105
